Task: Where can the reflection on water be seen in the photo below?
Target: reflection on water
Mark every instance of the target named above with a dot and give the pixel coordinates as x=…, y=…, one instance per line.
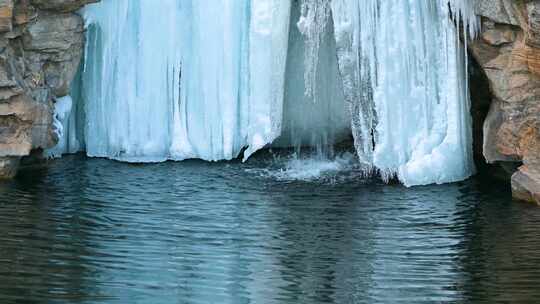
x=98, y=231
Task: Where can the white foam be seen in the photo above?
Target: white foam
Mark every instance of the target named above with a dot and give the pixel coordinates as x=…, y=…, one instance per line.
x=343, y=167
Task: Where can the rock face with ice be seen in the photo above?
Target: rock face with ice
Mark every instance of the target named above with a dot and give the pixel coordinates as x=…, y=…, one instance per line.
x=42, y=42
x=218, y=79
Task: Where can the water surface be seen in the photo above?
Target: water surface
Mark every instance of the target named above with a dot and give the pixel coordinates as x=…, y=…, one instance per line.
x=98, y=231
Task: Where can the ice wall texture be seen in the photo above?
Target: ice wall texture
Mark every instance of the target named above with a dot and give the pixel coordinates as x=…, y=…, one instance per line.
x=405, y=78
x=185, y=78
x=209, y=78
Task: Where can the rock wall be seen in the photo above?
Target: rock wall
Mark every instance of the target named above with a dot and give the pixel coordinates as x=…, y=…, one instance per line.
x=41, y=44
x=508, y=50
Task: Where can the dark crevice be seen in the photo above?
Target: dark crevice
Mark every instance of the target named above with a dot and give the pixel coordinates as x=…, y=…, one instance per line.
x=481, y=98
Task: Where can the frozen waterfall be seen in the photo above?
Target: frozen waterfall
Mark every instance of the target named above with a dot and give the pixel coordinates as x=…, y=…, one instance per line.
x=183, y=79
x=405, y=78
x=218, y=79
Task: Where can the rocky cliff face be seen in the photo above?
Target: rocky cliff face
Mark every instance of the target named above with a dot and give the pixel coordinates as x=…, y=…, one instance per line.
x=41, y=43
x=508, y=50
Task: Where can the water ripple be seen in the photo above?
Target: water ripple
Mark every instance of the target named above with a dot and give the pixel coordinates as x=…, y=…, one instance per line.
x=98, y=231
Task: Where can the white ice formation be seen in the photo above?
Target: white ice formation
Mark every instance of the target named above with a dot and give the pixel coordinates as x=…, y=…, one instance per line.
x=216, y=79
x=62, y=115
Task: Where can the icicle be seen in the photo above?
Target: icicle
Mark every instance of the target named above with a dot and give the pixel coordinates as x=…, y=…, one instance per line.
x=185, y=79
x=268, y=47
x=314, y=16
x=355, y=30
x=464, y=13
x=404, y=57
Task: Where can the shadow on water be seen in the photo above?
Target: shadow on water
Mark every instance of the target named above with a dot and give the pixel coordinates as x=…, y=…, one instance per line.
x=98, y=231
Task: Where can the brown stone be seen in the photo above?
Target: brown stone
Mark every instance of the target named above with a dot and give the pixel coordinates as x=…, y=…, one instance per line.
x=61, y=5
x=40, y=52
x=24, y=125
x=54, y=33
x=509, y=53
x=492, y=131
x=23, y=12
x=55, y=42
x=500, y=11
x=497, y=37
x=526, y=185
x=6, y=15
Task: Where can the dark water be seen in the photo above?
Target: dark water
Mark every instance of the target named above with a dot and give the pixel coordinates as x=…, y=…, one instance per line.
x=98, y=231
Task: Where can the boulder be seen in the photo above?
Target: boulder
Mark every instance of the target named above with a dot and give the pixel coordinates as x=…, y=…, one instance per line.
x=41, y=45
x=508, y=50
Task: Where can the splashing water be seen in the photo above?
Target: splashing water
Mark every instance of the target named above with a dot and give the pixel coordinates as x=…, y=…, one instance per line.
x=343, y=167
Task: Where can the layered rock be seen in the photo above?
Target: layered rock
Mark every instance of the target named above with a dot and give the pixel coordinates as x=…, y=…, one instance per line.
x=41, y=43
x=508, y=50
x=61, y=5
